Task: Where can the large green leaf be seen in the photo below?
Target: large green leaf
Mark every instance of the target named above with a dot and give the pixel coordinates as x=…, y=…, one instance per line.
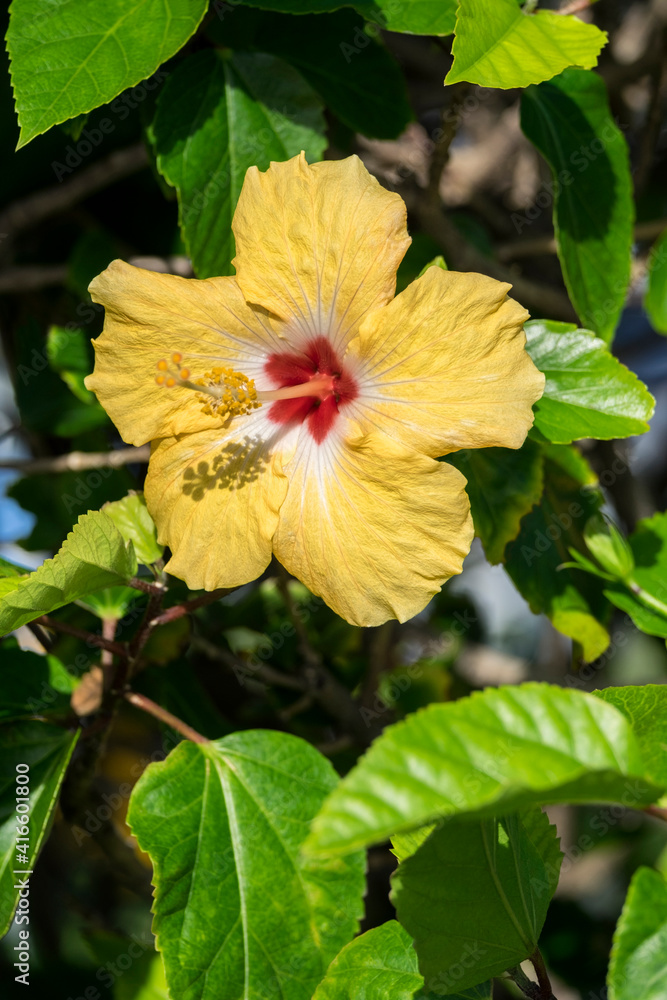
x=475, y=895
x=572, y=600
x=503, y=485
x=494, y=752
x=32, y=684
x=656, y=292
x=637, y=968
x=236, y=907
x=569, y=121
x=343, y=64
x=46, y=751
x=217, y=116
x=498, y=45
x=94, y=555
x=588, y=392
x=646, y=708
x=417, y=17
x=647, y=603
x=72, y=56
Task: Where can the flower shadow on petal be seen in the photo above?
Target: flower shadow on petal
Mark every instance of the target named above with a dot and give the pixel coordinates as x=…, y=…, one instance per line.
x=238, y=464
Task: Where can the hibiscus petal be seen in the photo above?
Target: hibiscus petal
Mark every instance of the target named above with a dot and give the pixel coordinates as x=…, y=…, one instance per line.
x=444, y=365
x=372, y=527
x=318, y=245
x=148, y=317
x=215, y=499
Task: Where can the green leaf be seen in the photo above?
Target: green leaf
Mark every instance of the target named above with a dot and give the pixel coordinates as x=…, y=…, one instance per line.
x=498, y=45
x=588, y=392
x=236, y=906
x=216, y=117
x=637, y=967
x=503, y=485
x=655, y=301
x=32, y=684
x=534, y=560
x=569, y=121
x=131, y=517
x=144, y=980
x=499, y=750
x=417, y=17
x=94, y=555
x=329, y=61
x=72, y=56
x=511, y=863
x=69, y=354
x=381, y=964
x=646, y=603
x=646, y=708
x=112, y=602
x=46, y=750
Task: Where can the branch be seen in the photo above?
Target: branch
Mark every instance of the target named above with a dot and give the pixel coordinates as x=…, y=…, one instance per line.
x=78, y=461
x=39, y=206
x=28, y=279
x=450, y=121
x=147, y=705
x=657, y=812
x=179, y=610
x=117, y=648
x=547, y=244
x=575, y=6
x=541, y=299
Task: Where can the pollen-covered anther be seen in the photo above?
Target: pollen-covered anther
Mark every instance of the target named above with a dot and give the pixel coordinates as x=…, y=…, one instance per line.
x=223, y=392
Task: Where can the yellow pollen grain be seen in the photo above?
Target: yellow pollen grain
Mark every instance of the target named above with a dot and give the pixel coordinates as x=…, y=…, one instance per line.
x=162, y=365
x=177, y=357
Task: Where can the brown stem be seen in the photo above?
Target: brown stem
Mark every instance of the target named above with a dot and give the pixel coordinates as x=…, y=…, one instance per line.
x=106, y=658
x=261, y=672
x=575, y=6
x=117, y=648
x=14, y=280
x=541, y=299
x=179, y=610
x=154, y=589
x=450, y=121
x=145, y=628
x=657, y=811
x=78, y=461
x=42, y=204
x=546, y=992
x=147, y=705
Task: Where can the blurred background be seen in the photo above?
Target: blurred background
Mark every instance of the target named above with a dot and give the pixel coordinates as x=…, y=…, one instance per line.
x=64, y=217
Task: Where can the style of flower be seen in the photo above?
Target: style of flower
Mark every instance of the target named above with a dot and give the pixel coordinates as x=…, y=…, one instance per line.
x=299, y=409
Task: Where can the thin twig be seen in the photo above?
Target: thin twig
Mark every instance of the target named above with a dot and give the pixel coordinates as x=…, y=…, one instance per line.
x=575, y=6
x=516, y=249
x=146, y=586
x=257, y=671
x=29, y=278
x=179, y=610
x=106, y=658
x=657, y=811
x=546, y=992
x=39, y=206
x=543, y=300
x=148, y=705
x=117, y=648
x=450, y=121
x=78, y=461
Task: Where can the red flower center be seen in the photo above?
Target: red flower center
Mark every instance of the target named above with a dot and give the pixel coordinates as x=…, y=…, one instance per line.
x=318, y=363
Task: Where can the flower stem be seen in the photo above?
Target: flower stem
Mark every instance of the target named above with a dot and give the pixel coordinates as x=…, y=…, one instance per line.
x=147, y=705
x=657, y=811
x=649, y=600
x=117, y=648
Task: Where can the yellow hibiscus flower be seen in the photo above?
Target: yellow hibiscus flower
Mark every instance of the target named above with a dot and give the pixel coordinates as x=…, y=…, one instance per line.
x=298, y=408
